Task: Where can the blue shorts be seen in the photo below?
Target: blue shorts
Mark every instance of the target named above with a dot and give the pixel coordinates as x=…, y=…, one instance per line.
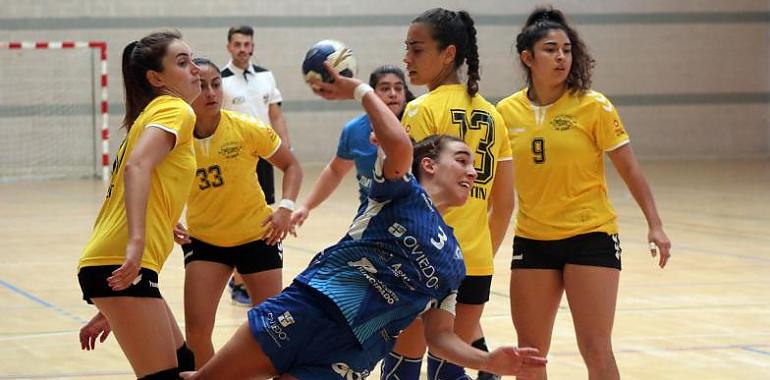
x=305, y=335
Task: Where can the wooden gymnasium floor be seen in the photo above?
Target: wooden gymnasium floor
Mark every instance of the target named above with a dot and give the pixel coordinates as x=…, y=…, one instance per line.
x=707, y=316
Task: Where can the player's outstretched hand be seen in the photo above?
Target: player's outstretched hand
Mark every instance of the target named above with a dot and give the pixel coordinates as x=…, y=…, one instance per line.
x=299, y=215
x=512, y=361
x=97, y=328
x=340, y=88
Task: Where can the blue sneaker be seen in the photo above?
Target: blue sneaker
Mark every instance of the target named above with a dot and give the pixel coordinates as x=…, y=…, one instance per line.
x=238, y=294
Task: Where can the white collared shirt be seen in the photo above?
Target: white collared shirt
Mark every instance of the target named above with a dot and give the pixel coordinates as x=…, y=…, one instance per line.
x=251, y=92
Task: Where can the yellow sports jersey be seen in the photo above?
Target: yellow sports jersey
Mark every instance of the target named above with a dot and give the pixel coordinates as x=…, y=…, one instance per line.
x=226, y=205
x=558, y=155
x=448, y=110
x=169, y=186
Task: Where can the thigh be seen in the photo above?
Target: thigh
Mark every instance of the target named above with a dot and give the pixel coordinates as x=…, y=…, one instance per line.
x=257, y=256
x=204, y=282
x=592, y=295
x=263, y=285
x=142, y=329
x=240, y=358
x=411, y=342
x=535, y=297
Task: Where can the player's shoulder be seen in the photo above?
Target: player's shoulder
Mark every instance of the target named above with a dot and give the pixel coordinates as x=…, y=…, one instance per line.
x=516, y=99
x=235, y=119
x=168, y=103
x=593, y=100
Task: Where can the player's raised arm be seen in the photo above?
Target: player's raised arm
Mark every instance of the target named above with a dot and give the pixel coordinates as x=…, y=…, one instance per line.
x=390, y=134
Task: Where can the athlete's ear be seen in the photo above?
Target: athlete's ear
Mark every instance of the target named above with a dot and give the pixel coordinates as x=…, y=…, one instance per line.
x=526, y=58
x=428, y=165
x=154, y=78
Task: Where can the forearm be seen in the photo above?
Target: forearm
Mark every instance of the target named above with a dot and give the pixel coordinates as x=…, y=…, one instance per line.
x=327, y=182
x=499, y=220
x=136, y=178
x=450, y=347
x=501, y=201
x=292, y=180
x=390, y=134
x=642, y=194
x=278, y=122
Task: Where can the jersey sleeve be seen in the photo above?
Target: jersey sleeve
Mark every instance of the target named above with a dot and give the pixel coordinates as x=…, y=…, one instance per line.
x=501, y=138
x=266, y=141
x=275, y=94
x=343, y=146
x=173, y=116
x=608, y=130
x=418, y=120
x=513, y=131
x=383, y=188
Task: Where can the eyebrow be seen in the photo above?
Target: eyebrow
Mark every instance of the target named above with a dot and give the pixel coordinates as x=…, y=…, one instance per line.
x=182, y=55
x=556, y=43
x=415, y=42
x=463, y=153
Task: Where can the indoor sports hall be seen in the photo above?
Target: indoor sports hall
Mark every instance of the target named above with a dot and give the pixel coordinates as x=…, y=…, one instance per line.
x=690, y=80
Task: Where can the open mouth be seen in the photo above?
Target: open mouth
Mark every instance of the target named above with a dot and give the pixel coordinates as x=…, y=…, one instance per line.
x=465, y=185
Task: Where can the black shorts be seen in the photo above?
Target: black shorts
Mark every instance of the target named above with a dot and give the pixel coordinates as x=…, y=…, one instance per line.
x=596, y=249
x=253, y=257
x=266, y=180
x=93, y=283
x=474, y=290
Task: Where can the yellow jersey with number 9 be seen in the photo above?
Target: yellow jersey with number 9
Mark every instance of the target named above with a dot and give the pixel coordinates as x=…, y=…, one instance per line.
x=448, y=110
x=169, y=185
x=226, y=205
x=558, y=156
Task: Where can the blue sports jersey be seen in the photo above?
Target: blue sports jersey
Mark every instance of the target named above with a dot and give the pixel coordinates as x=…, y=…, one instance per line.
x=398, y=259
x=354, y=145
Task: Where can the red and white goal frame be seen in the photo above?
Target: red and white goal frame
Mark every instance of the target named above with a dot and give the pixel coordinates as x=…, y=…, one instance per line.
x=101, y=47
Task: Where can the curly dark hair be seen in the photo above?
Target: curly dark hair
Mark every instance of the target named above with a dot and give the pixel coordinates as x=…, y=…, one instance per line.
x=538, y=24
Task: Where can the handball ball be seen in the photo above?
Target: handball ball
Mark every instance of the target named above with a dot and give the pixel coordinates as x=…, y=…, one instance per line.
x=339, y=56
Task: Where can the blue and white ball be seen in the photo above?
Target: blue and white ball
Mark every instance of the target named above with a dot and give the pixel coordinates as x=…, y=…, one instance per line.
x=339, y=56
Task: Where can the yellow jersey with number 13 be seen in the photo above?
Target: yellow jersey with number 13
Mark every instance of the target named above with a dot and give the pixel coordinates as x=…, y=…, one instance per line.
x=169, y=186
x=558, y=155
x=448, y=110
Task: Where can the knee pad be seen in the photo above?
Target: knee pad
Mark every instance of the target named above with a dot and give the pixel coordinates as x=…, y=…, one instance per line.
x=399, y=367
x=440, y=369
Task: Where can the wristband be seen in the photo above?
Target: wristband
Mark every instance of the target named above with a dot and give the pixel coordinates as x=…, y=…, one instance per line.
x=362, y=90
x=287, y=204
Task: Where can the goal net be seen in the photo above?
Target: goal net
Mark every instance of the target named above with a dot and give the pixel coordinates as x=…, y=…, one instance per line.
x=52, y=110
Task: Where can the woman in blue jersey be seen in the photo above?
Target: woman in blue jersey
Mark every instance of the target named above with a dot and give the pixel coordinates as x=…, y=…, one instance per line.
x=132, y=237
x=354, y=147
x=398, y=260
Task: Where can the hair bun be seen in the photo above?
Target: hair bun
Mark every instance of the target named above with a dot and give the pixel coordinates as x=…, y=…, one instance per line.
x=542, y=14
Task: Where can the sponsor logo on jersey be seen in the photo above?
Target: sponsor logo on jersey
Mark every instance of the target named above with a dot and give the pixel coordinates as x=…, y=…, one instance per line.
x=266, y=98
x=153, y=284
x=367, y=269
x=348, y=373
x=413, y=248
x=230, y=149
x=286, y=319
x=518, y=257
x=563, y=122
x=397, y=230
x=239, y=100
x=274, y=328
x=398, y=273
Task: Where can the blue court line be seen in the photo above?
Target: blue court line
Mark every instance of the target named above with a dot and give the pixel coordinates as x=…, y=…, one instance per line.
x=41, y=302
x=756, y=351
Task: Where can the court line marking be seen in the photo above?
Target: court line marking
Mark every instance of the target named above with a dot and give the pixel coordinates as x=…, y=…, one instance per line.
x=41, y=302
x=755, y=350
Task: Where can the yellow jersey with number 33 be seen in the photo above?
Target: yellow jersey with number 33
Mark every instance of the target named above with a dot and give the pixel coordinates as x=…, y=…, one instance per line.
x=448, y=110
x=558, y=156
x=226, y=205
x=169, y=186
